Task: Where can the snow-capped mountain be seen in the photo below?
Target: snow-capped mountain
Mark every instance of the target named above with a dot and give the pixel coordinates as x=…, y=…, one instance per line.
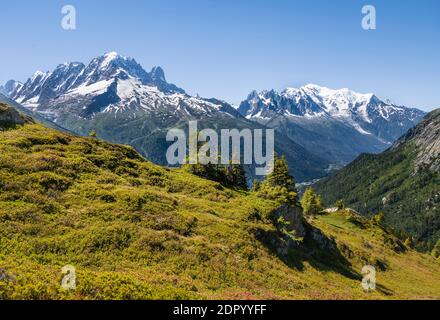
x=108, y=84
x=115, y=96
x=124, y=103
x=95, y=78
x=10, y=87
x=337, y=124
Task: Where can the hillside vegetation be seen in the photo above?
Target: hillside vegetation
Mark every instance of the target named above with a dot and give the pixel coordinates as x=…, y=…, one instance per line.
x=403, y=183
x=134, y=230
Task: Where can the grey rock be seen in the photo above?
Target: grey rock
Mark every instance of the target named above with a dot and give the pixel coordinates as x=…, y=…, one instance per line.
x=11, y=117
x=293, y=216
x=426, y=137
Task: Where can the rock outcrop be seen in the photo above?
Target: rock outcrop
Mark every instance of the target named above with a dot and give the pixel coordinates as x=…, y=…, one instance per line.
x=293, y=216
x=10, y=117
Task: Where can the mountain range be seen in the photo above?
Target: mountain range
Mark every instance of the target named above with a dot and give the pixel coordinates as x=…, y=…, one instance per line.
x=318, y=129
x=336, y=125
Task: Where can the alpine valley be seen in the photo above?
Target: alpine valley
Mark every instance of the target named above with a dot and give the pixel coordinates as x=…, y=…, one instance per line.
x=133, y=229
x=403, y=183
x=317, y=129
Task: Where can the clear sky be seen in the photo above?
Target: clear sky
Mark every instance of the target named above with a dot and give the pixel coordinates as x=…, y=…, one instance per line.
x=226, y=48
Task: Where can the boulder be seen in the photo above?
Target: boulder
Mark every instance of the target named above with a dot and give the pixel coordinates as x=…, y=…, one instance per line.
x=294, y=218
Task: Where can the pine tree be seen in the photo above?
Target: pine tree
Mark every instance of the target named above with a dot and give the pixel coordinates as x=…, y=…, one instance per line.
x=311, y=202
x=319, y=203
x=239, y=177
x=279, y=184
x=231, y=176
x=280, y=176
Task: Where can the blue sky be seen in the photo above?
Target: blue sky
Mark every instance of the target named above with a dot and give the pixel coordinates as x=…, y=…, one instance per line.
x=226, y=48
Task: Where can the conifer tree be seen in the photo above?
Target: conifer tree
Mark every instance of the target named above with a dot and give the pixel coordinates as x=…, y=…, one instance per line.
x=239, y=177
x=311, y=202
x=231, y=176
x=319, y=202
x=279, y=184
x=280, y=176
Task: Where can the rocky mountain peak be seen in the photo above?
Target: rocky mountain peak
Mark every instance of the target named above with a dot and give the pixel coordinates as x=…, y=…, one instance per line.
x=75, y=76
x=157, y=74
x=10, y=87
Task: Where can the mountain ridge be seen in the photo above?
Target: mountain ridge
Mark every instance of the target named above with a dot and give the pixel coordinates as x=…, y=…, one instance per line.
x=401, y=182
x=43, y=86
x=331, y=120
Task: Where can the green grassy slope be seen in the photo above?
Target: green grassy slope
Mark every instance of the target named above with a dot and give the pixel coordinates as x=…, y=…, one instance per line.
x=134, y=230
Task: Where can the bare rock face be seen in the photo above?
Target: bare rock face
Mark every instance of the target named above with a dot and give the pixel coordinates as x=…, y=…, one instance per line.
x=426, y=137
x=10, y=117
x=429, y=143
x=294, y=218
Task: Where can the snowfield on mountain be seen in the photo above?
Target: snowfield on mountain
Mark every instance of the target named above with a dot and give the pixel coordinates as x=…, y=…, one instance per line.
x=337, y=125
